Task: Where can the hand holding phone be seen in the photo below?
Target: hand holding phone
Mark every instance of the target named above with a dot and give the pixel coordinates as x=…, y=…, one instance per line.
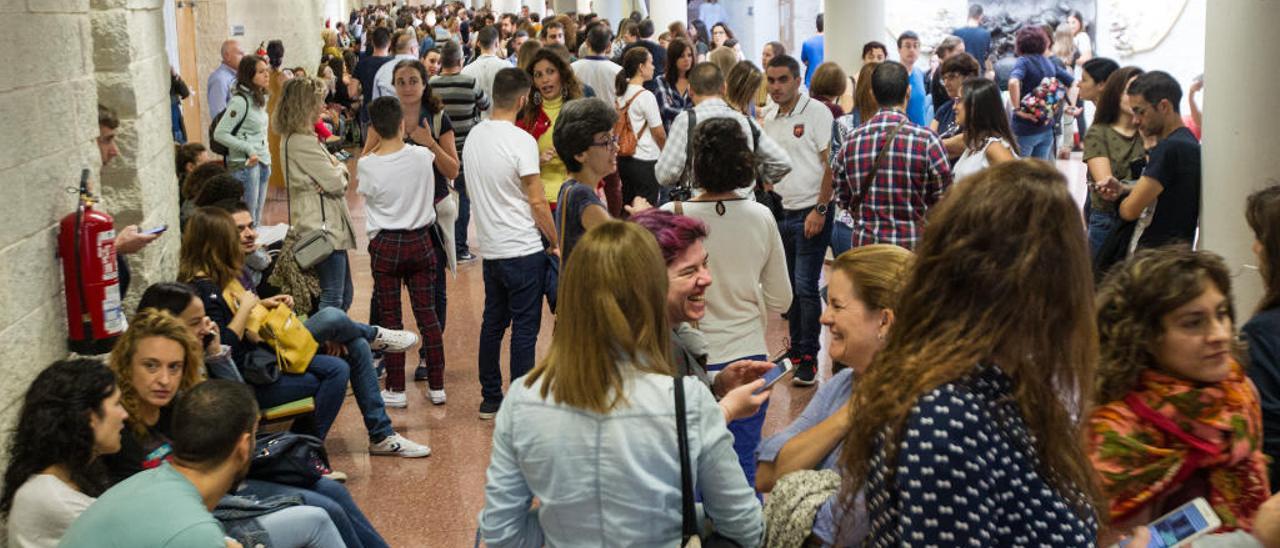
x=157, y=230
x=1181, y=526
x=780, y=369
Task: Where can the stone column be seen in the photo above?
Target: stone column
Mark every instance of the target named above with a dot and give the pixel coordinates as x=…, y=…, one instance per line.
x=506, y=6
x=564, y=6
x=1239, y=153
x=535, y=6
x=663, y=12
x=849, y=25
x=139, y=187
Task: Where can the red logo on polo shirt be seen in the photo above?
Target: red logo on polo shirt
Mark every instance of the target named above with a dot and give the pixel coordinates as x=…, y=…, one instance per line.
x=798, y=130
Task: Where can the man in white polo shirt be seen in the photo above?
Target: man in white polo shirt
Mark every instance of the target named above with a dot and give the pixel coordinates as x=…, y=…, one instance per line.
x=802, y=126
x=510, y=208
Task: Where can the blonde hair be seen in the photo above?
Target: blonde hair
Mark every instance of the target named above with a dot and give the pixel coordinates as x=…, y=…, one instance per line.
x=829, y=81
x=330, y=37
x=611, y=318
x=1064, y=46
x=296, y=112
x=148, y=323
x=878, y=272
x=743, y=82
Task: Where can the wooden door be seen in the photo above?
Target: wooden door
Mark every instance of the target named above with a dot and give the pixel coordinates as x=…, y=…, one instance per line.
x=193, y=106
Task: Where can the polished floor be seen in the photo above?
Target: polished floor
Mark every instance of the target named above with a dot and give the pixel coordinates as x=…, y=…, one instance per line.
x=433, y=502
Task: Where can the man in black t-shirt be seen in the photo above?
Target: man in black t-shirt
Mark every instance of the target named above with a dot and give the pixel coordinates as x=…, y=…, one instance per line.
x=367, y=68
x=1171, y=180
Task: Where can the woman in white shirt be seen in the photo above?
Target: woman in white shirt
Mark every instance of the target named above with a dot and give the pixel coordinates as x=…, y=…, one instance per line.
x=70, y=416
x=640, y=105
x=988, y=141
x=746, y=261
x=591, y=430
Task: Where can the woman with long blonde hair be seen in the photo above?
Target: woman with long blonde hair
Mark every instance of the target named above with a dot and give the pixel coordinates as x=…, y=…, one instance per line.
x=964, y=428
x=596, y=418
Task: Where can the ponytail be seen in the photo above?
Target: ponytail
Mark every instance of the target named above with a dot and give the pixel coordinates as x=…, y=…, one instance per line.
x=632, y=60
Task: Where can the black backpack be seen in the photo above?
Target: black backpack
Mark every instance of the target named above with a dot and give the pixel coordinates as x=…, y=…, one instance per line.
x=219, y=148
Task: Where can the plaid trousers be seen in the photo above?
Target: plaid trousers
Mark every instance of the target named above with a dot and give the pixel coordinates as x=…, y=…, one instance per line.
x=408, y=257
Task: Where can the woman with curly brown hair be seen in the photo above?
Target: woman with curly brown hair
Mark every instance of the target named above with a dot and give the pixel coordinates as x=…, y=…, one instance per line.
x=1179, y=419
x=962, y=426
x=553, y=85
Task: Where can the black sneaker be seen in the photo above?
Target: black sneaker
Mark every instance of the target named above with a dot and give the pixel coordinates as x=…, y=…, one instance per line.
x=806, y=372
x=488, y=409
x=420, y=374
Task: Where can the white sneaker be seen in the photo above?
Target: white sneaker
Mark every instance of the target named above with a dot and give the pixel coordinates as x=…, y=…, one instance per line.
x=394, y=399
x=395, y=444
x=393, y=340
x=436, y=396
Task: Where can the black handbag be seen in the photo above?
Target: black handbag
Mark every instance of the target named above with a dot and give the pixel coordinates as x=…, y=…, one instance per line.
x=261, y=366
x=691, y=536
x=292, y=459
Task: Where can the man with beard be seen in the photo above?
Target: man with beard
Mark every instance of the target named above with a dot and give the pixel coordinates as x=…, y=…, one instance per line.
x=213, y=425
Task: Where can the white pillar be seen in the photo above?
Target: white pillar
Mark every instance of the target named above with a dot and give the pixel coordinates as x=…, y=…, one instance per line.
x=535, y=6
x=506, y=6
x=663, y=12
x=607, y=9
x=1239, y=152
x=848, y=26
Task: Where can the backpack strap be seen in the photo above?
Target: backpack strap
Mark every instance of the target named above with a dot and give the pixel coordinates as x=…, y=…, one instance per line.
x=626, y=111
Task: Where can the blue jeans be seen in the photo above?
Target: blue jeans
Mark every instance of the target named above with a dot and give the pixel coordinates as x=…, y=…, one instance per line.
x=333, y=325
x=512, y=296
x=334, y=499
x=746, y=432
x=460, y=226
x=325, y=379
x=336, y=289
x=804, y=262
x=1101, y=225
x=1037, y=145
x=301, y=526
x=841, y=238
x=254, y=180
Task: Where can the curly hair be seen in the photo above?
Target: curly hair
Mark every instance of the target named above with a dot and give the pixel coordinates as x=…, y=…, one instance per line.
x=148, y=323
x=196, y=180
x=217, y=188
x=1134, y=298
x=570, y=88
x=53, y=426
x=722, y=159
x=1000, y=272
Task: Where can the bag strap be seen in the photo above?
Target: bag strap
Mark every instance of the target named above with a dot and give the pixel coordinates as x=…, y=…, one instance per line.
x=687, y=181
x=689, y=521
x=679, y=207
x=562, y=212
x=436, y=121
x=626, y=111
x=875, y=167
x=236, y=129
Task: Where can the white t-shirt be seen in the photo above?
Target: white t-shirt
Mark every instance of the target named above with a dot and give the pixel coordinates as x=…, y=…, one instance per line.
x=973, y=161
x=399, y=189
x=804, y=134
x=497, y=155
x=749, y=276
x=43, y=509
x=644, y=110
x=484, y=69
x=600, y=74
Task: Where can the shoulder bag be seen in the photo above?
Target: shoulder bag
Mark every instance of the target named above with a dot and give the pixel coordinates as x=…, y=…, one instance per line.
x=292, y=459
x=691, y=535
x=684, y=189
x=282, y=330
x=315, y=245
x=216, y=146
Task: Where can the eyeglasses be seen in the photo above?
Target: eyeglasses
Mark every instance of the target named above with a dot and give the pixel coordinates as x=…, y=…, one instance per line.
x=611, y=142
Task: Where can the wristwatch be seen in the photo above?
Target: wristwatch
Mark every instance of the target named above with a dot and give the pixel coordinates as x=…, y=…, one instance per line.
x=821, y=209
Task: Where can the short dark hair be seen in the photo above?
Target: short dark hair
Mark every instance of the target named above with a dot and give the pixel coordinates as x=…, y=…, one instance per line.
x=1030, y=40
x=107, y=118
x=171, y=297
x=907, y=35
x=787, y=61
x=1099, y=68
x=706, y=79
x=386, y=116
x=381, y=38
x=874, y=45
x=232, y=206
x=580, y=120
x=819, y=22
x=552, y=24
x=646, y=28
x=963, y=64
x=450, y=54
x=598, y=38
x=487, y=37
x=186, y=153
x=1156, y=86
x=208, y=421
x=509, y=84
x=722, y=158
x=975, y=11
x=889, y=83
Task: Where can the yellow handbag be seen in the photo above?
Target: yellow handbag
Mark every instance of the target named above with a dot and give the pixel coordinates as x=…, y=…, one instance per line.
x=280, y=329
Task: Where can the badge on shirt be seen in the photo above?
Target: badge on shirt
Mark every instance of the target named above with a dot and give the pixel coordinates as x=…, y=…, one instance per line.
x=798, y=130
x=232, y=114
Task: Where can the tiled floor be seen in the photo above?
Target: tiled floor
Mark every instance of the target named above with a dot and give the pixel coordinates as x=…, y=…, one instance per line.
x=433, y=502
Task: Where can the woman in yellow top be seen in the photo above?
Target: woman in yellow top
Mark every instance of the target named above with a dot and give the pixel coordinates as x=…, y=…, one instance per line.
x=553, y=85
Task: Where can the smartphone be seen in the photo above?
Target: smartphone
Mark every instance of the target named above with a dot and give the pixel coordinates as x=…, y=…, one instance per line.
x=1183, y=525
x=157, y=230
x=780, y=369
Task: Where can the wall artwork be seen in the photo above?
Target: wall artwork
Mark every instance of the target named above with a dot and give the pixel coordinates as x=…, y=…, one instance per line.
x=1005, y=17
x=1141, y=26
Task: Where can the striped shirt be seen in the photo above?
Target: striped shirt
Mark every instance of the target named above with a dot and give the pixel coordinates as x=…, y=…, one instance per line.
x=464, y=101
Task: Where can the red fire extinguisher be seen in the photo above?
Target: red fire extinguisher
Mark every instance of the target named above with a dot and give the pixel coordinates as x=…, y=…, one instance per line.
x=87, y=246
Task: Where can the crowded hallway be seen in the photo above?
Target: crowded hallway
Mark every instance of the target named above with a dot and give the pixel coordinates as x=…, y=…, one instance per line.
x=641, y=273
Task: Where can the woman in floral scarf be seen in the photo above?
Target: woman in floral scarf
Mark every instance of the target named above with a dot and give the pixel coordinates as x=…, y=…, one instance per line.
x=1178, y=418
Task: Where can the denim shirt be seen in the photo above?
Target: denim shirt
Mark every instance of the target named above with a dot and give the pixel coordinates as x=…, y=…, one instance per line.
x=611, y=479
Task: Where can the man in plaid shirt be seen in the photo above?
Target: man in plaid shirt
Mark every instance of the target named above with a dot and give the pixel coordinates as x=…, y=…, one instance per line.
x=912, y=176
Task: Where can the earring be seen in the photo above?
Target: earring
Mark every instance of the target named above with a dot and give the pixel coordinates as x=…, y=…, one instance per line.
x=537, y=98
x=564, y=93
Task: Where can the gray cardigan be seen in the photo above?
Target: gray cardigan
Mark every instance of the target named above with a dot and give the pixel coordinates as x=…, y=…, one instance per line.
x=252, y=137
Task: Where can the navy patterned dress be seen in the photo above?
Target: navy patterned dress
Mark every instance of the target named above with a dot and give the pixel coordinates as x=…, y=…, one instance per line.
x=966, y=476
